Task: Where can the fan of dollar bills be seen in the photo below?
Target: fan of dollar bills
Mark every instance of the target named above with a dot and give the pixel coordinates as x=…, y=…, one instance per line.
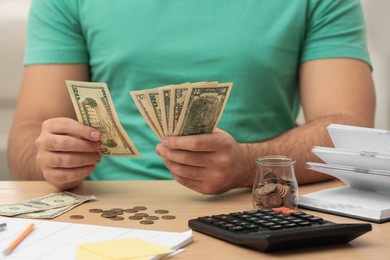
x=184, y=109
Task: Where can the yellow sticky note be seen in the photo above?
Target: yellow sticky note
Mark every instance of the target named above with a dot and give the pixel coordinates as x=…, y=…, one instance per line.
x=123, y=249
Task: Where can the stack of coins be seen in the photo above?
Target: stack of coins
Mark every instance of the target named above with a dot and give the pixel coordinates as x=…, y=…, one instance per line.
x=273, y=192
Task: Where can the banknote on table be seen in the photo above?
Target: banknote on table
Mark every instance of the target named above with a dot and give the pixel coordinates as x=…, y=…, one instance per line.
x=49, y=213
x=183, y=109
x=94, y=107
x=48, y=202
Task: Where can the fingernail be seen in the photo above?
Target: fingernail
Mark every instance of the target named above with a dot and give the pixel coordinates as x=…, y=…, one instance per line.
x=95, y=134
x=165, y=142
x=158, y=148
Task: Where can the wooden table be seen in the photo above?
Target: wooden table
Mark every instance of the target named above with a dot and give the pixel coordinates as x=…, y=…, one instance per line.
x=186, y=204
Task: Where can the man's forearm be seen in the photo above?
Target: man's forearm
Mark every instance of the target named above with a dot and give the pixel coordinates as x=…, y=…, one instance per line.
x=22, y=152
x=298, y=142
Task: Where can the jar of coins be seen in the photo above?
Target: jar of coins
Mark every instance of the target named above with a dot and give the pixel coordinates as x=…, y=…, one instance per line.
x=275, y=184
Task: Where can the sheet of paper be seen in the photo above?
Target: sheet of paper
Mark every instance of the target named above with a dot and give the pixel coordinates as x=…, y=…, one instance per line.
x=372, y=180
x=364, y=160
x=58, y=240
x=360, y=138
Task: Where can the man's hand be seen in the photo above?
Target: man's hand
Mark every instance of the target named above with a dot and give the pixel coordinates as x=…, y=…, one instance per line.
x=67, y=151
x=206, y=163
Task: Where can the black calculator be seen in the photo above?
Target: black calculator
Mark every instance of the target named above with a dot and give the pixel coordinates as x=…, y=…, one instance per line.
x=277, y=229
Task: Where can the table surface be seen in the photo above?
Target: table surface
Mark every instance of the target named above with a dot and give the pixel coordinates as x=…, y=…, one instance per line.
x=186, y=204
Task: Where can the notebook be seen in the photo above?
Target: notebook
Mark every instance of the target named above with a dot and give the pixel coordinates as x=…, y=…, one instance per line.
x=361, y=159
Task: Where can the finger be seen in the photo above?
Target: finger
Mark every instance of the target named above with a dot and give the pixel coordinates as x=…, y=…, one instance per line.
x=185, y=171
x=63, y=143
x=71, y=160
x=203, y=143
x=189, y=183
x=199, y=159
x=71, y=127
x=63, y=175
x=199, y=186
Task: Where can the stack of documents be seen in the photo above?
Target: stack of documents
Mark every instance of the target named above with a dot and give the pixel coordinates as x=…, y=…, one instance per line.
x=361, y=159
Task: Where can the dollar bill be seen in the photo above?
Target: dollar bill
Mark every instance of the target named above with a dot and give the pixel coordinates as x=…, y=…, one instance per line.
x=140, y=99
x=49, y=213
x=178, y=95
x=153, y=101
x=202, y=109
x=94, y=107
x=165, y=101
x=48, y=202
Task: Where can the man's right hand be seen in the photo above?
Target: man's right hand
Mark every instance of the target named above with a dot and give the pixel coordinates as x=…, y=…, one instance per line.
x=67, y=151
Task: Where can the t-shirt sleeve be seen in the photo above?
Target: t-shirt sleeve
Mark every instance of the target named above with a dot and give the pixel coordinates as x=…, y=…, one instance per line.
x=335, y=29
x=54, y=33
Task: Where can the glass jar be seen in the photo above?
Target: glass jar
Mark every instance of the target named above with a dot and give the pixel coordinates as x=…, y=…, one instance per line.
x=275, y=184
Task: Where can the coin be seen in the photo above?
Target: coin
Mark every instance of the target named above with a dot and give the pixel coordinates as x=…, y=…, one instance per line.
x=168, y=217
x=108, y=215
x=274, y=200
x=289, y=202
x=146, y=222
x=140, y=208
x=95, y=210
x=130, y=210
x=117, y=210
x=141, y=214
x=269, y=175
x=151, y=217
x=117, y=218
x=161, y=211
x=135, y=217
x=268, y=188
x=76, y=216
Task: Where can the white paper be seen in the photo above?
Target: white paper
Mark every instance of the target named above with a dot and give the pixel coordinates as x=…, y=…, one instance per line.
x=364, y=160
x=365, y=179
x=360, y=138
x=57, y=240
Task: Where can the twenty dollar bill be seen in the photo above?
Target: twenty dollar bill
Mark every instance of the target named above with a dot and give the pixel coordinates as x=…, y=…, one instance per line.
x=94, y=107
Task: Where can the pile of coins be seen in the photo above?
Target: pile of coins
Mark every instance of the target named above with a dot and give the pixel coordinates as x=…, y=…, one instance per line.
x=273, y=192
x=118, y=214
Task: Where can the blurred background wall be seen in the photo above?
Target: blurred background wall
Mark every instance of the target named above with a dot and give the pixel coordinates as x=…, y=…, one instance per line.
x=378, y=33
x=13, y=20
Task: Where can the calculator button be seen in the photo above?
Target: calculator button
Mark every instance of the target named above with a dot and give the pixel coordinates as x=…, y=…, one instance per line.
x=206, y=219
x=304, y=224
x=315, y=219
x=275, y=227
x=236, y=229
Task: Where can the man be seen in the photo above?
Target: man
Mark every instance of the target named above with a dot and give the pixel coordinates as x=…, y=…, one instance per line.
x=276, y=53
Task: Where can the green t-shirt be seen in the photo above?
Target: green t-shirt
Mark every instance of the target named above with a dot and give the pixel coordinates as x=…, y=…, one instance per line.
x=257, y=45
